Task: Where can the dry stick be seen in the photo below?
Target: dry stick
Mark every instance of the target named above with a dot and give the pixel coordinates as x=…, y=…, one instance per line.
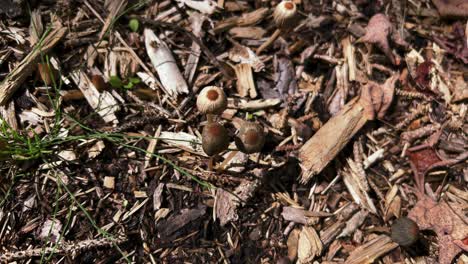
x=24, y=69
x=269, y=41
x=194, y=38
x=231, y=155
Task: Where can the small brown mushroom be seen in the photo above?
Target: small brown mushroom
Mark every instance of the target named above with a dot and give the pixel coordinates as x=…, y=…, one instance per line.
x=405, y=232
x=211, y=101
x=251, y=138
x=215, y=139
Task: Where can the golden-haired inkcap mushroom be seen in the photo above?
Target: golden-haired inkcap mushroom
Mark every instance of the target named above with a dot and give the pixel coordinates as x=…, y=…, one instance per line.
x=215, y=139
x=251, y=138
x=284, y=14
x=211, y=100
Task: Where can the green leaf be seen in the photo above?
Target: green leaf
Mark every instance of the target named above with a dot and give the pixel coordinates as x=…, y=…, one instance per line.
x=134, y=80
x=115, y=82
x=134, y=24
x=128, y=85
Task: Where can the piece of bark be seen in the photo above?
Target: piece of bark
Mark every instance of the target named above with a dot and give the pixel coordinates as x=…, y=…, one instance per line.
x=178, y=221
x=309, y=245
x=8, y=114
x=35, y=28
x=226, y=203
x=245, y=83
x=247, y=19
x=348, y=51
x=247, y=32
x=253, y=105
x=165, y=64
x=354, y=223
x=452, y=8
x=196, y=22
x=331, y=138
x=370, y=251
x=204, y=6
x=103, y=103
x=114, y=7
x=226, y=206
x=182, y=140
x=300, y=216
x=24, y=69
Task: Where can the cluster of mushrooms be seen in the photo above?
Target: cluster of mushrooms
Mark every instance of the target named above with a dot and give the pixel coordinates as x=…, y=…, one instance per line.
x=212, y=102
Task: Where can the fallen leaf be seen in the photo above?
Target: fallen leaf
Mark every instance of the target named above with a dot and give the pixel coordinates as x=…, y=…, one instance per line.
x=421, y=160
x=378, y=30
x=377, y=98
x=447, y=220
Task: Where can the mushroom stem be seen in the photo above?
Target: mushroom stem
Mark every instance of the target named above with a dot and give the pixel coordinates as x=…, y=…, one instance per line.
x=231, y=155
x=269, y=41
x=210, y=163
x=210, y=118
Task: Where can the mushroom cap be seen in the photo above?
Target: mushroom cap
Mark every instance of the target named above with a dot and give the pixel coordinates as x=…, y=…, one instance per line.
x=251, y=138
x=284, y=13
x=215, y=138
x=405, y=231
x=211, y=100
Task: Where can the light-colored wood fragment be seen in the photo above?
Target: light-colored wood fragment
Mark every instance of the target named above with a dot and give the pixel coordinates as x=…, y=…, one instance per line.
x=35, y=28
x=196, y=20
x=140, y=194
x=8, y=115
x=103, y=103
x=330, y=139
x=115, y=7
x=109, y=182
x=370, y=251
x=151, y=146
x=349, y=51
x=247, y=19
x=165, y=64
x=247, y=32
x=183, y=141
x=24, y=69
x=253, y=105
x=245, y=83
x=309, y=245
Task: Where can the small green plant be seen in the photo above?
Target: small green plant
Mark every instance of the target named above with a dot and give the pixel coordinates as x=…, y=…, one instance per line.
x=116, y=82
x=134, y=24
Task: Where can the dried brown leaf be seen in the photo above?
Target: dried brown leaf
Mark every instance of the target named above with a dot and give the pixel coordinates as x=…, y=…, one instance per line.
x=447, y=220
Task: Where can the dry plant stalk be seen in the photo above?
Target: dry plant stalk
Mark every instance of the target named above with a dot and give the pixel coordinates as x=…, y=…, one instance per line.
x=63, y=248
x=24, y=69
x=161, y=57
x=245, y=82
